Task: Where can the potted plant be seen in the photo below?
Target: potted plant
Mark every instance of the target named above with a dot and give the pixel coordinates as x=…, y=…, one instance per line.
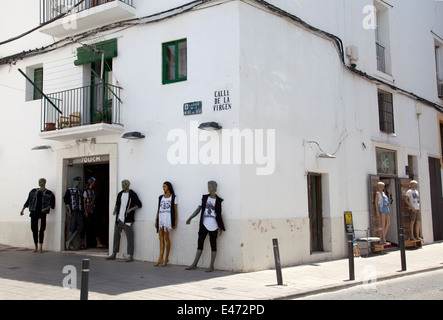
x=49, y=126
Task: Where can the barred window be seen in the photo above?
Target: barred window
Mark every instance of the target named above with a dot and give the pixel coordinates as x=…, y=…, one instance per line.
x=385, y=111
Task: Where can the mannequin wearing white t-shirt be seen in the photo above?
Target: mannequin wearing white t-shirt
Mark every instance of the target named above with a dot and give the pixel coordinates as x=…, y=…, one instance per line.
x=211, y=223
x=126, y=205
x=413, y=201
x=164, y=221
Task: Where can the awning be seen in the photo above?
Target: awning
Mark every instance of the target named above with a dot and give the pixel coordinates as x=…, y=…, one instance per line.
x=91, y=53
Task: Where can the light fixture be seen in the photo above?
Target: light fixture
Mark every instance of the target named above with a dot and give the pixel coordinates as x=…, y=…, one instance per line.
x=41, y=148
x=133, y=135
x=324, y=154
x=210, y=126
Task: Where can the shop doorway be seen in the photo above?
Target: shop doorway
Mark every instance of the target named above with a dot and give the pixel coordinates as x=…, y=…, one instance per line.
x=436, y=197
x=315, y=204
x=97, y=227
x=395, y=189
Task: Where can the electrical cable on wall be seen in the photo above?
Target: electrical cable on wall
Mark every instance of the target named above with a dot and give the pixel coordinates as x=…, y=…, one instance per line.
x=60, y=16
x=170, y=13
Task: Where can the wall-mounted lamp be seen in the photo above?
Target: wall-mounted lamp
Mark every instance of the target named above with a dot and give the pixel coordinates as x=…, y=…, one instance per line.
x=133, y=135
x=326, y=156
x=41, y=148
x=323, y=154
x=210, y=126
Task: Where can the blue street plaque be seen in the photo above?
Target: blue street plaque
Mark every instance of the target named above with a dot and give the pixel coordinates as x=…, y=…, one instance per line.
x=191, y=108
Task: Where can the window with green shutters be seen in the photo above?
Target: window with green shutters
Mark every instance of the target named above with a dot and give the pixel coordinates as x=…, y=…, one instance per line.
x=175, y=61
x=38, y=81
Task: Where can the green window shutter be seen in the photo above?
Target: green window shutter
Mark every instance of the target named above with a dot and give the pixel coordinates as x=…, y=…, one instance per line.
x=85, y=55
x=175, y=61
x=38, y=81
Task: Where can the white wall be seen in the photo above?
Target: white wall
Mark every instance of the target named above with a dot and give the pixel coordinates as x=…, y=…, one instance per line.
x=280, y=77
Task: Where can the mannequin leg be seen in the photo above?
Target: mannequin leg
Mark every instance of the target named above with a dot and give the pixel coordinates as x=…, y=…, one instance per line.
x=194, y=264
x=161, y=237
x=168, y=247
x=417, y=230
x=41, y=234
x=412, y=228
x=385, y=222
x=211, y=266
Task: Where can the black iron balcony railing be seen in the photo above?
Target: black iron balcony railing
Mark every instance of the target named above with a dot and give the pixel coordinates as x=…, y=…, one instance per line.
x=50, y=9
x=81, y=106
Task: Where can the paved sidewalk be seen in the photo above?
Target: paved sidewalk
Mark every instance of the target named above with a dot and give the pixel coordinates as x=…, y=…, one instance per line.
x=26, y=275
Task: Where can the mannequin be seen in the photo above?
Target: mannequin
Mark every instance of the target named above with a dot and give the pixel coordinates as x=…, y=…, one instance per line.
x=413, y=201
x=92, y=219
x=126, y=204
x=382, y=209
x=40, y=201
x=73, y=202
x=166, y=220
x=211, y=223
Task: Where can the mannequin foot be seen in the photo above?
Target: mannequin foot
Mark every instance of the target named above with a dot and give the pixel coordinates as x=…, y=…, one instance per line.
x=191, y=267
x=165, y=263
x=210, y=269
x=158, y=262
x=111, y=257
x=36, y=249
x=40, y=248
x=130, y=258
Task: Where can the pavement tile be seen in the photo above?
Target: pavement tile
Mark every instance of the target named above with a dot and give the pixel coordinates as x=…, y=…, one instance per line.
x=25, y=275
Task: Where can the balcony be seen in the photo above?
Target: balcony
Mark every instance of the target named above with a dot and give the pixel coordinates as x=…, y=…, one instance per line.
x=89, y=111
x=82, y=15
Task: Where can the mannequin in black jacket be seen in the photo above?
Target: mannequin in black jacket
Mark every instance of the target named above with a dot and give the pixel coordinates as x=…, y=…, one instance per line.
x=40, y=201
x=211, y=222
x=124, y=219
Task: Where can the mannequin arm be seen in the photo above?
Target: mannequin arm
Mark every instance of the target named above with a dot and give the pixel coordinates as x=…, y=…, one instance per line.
x=376, y=203
x=175, y=209
x=196, y=212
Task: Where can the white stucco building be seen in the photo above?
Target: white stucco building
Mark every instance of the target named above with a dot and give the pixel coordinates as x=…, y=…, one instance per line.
x=316, y=100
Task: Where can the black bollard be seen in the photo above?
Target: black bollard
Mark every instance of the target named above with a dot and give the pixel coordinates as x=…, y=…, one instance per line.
x=400, y=229
x=351, y=256
x=277, y=262
x=85, y=280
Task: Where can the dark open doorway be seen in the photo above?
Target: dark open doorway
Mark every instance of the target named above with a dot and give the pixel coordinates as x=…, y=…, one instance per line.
x=96, y=227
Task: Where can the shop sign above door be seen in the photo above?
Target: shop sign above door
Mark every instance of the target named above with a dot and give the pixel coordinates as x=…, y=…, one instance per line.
x=90, y=160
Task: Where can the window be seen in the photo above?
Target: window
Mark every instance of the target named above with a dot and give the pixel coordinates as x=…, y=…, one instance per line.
x=38, y=81
x=175, y=61
x=382, y=37
x=386, y=162
x=440, y=123
x=385, y=111
x=439, y=68
x=35, y=74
